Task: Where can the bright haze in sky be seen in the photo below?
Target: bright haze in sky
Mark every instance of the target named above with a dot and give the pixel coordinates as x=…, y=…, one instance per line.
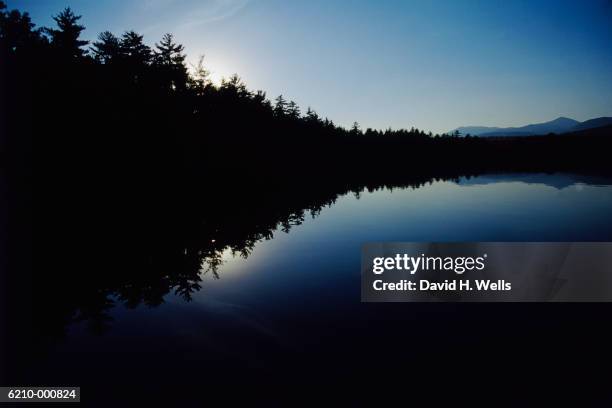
x=435, y=65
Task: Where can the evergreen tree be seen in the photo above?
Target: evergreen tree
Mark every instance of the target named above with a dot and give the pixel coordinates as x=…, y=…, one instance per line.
x=235, y=86
x=312, y=116
x=169, y=53
x=170, y=60
x=199, y=78
x=107, y=48
x=134, y=50
x=259, y=98
x=66, y=37
x=280, y=107
x=293, y=110
x=16, y=31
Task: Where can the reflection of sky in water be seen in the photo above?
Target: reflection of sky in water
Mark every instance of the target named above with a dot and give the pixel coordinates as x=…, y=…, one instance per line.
x=327, y=248
x=310, y=275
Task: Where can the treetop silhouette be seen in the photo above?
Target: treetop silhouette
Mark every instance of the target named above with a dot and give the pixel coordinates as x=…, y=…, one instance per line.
x=65, y=38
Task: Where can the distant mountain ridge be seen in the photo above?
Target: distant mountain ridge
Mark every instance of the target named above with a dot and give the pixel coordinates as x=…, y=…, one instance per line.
x=559, y=125
x=594, y=123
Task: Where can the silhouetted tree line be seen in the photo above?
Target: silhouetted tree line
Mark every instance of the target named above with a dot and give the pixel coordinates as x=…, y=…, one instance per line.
x=143, y=171
x=120, y=108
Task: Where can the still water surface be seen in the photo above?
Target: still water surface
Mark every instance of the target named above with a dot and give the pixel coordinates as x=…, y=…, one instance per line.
x=295, y=300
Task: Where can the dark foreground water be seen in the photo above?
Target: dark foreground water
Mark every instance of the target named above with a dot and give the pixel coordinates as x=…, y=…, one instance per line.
x=287, y=321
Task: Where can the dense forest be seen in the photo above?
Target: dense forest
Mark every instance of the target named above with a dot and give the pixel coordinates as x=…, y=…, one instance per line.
x=136, y=171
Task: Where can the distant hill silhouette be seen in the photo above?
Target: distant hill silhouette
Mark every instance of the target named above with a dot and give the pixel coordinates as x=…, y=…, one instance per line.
x=559, y=125
x=593, y=123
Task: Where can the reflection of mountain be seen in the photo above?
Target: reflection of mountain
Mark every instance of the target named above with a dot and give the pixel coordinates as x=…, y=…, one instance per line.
x=556, y=180
x=559, y=125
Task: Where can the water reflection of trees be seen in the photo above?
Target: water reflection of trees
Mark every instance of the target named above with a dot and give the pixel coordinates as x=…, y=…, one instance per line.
x=156, y=257
x=142, y=267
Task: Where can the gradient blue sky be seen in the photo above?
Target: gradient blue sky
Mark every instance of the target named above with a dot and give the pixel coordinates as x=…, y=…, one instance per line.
x=431, y=64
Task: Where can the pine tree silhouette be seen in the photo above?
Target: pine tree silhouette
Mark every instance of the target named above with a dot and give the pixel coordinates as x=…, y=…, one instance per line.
x=107, y=49
x=134, y=50
x=280, y=107
x=66, y=37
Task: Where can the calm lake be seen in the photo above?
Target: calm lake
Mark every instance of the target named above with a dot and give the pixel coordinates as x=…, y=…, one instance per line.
x=291, y=310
